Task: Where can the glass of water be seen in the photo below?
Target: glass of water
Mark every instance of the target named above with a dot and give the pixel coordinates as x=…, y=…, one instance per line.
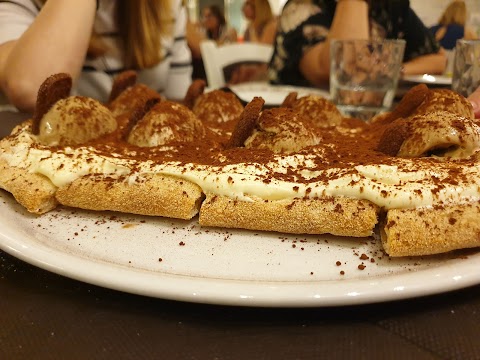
x=364, y=75
x=466, y=67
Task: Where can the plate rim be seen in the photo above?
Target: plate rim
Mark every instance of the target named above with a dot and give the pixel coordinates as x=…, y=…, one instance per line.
x=246, y=293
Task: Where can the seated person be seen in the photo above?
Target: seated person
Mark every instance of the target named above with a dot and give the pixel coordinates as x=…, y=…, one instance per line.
x=302, y=46
x=92, y=41
x=451, y=25
x=262, y=25
x=214, y=27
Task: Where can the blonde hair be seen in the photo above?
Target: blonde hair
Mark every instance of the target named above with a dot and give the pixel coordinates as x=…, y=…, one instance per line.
x=455, y=13
x=142, y=24
x=263, y=13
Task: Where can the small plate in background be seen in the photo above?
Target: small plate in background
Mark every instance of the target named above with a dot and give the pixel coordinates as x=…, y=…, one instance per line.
x=272, y=94
x=429, y=79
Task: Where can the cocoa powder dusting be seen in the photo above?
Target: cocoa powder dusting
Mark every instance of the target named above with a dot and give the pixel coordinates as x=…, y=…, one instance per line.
x=339, y=148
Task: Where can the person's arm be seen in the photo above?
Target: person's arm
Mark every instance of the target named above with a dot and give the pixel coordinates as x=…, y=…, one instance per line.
x=475, y=100
x=426, y=64
x=269, y=32
x=57, y=41
x=350, y=22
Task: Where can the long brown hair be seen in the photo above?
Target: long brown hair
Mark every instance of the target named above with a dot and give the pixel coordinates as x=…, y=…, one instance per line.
x=142, y=24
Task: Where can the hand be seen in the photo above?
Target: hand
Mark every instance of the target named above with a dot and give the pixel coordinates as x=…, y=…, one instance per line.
x=475, y=100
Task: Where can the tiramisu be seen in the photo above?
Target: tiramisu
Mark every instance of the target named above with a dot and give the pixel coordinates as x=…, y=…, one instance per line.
x=411, y=174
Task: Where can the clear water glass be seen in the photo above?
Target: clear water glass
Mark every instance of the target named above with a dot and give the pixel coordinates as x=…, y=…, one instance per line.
x=466, y=67
x=364, y=75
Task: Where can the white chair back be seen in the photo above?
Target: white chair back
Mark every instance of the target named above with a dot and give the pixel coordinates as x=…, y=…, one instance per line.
x=217, y=57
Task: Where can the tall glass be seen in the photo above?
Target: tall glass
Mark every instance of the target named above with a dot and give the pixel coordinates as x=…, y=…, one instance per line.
x=364, y=75
x=466, y=67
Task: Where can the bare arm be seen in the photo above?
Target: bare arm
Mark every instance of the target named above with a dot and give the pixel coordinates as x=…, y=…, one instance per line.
x=350, y=22
x=426, y=64
x=269, y=32
x=57, y=41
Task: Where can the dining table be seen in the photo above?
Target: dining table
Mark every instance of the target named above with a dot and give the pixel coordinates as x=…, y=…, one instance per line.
x=47, y=314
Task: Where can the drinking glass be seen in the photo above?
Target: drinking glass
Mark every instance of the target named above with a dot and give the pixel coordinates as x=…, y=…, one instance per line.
x=364, y=75
x=466, y=67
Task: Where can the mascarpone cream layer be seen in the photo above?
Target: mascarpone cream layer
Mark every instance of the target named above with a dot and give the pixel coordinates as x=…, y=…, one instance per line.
x=403, y=184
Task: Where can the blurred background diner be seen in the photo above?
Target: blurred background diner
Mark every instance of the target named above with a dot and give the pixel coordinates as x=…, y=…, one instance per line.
x=429, y=11
x=452, y=25
x=225, y=21
x=212, y=26
x=423, y=53
x=215, y=25
x=302, y=52
x=92, y=41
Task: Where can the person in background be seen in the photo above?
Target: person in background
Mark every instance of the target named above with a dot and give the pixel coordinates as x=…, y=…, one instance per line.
x=451, y=25
x=216, y=27
x=262, y=25
x=92, y=41
x=261, y=28
x=302, y=47
x=475, y=100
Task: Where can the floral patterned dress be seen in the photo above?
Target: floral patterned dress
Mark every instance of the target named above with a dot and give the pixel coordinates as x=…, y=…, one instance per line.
x=303, y=24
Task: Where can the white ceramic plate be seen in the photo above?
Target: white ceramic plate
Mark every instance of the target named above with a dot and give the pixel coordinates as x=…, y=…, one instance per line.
x=429, y=79
x=179, y=260
x=272, y=94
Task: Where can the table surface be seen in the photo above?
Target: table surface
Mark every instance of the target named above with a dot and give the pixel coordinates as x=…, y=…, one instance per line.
x=47, y=316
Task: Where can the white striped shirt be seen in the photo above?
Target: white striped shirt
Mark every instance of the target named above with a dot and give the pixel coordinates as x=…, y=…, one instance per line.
x=171, y=77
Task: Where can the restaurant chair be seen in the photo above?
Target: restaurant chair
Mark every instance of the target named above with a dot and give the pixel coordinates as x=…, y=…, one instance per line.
x=218, y=57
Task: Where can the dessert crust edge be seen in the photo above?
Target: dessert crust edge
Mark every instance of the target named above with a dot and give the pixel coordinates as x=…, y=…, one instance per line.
x=403, y=232
x=336, y=215
x=433, y=230
x=153, y=194
x=33, y=191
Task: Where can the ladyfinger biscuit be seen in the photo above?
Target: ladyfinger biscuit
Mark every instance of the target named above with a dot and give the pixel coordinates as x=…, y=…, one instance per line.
x=433, y=230
x=149, y=194
x=32, y=190
x=338, y=216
